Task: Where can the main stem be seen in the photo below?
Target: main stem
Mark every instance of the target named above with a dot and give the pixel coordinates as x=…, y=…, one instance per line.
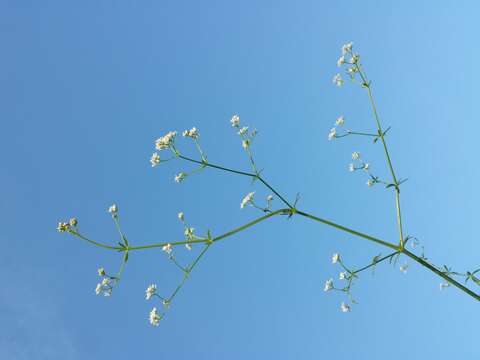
x=290, y=211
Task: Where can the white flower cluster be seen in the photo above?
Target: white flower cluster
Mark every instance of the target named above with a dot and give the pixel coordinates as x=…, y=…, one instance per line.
x=188, y=231
x=155, y=159
x=67, y=226
x=104, y=286
x=246, y=136
x=353, y=62
x=337, y=80
x=248, y=199
x=113, y=210
x=333, y=131
x=344, y=307
x=165, y=142
x=328, y=285
x=154, y=317
x=403, y=268
x=235, y=121
x=179, y=177
x=344, y=275
x=167, y=248
x=360, y=165
x=151, y=290
x=192, y=133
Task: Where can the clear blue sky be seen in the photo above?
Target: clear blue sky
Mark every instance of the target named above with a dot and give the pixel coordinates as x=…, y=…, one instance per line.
x=86, y=88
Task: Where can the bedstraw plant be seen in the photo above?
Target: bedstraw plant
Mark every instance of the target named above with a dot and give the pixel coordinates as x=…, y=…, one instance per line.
x=167, y=149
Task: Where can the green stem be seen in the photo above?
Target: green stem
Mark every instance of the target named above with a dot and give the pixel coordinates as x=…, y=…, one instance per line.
x=348, y=230
x=218, y=238
x=217, y=166
x=441, y=274
x=376, y=262
x=387, y=155
x=356, y=133
x=118, y=248
x=252, y=175
x=256, y=221
x=187, y=273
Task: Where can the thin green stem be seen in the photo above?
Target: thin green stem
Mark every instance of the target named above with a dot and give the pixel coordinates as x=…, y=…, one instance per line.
x=217, y=166
x=375, y=262
x=251, y=223
x=218, y=238
x=275, y=192
x=441, y=274
x=348, y=132
x=187, y=272
x=348, y=230
x=118, y=248
x=381, y=135
x=162, y=244
x=252, y=175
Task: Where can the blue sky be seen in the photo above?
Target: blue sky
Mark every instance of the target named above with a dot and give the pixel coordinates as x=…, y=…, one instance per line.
x=87, y=88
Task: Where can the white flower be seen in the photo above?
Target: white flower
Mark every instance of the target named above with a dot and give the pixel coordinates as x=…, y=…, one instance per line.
x=247, y=199
x=341, y=61
x=62, y=226
x=105, y=281
x=167, y=248
x=337, y=80
x=155, y=159
x=370, y=183
x=189, y=232
x=193, y=133
x=335, y=258
x=165, y=141
x=328, y=285
x=107, y=292
x=98, y=289
x=444, y=285
x=179, y=178
x=235, y=120
x=347, y=48
x=181, y=216
x=101, y=272
x=355, y=155
x=344, y=307
x=113, y=209
x=269, y=198
x=343, y=275
x=351, y=167
x=354, y=59
x=245, y=144
x=366, y=166
x=352, y=70
x=403, y=268
x=332, y=134
x=151, y=289
x=188, y=246
x=73, y=222
x=243, y=130
x=154, y=317
x=340, y=121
